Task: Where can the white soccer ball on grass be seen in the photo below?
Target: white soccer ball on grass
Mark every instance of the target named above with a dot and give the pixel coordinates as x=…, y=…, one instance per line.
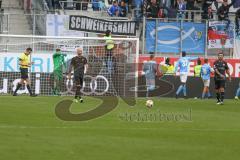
x=149, y=103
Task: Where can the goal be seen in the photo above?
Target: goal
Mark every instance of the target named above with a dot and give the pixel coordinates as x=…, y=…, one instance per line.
x=113, y=75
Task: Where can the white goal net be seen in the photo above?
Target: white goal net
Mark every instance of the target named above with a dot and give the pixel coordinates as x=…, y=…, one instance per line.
x=106, y=75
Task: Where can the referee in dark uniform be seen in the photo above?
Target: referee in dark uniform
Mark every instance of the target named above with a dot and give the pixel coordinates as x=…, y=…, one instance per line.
x=79, y=65
x=220, y=70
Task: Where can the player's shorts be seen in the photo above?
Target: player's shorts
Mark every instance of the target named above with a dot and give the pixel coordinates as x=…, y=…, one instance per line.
x=219, y=84
x=24, y=73
x=206, y=82
x=78, y=79
x=183, y=78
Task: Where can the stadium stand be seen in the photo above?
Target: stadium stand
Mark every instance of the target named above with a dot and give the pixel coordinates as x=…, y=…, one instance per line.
x=28, y=17
x=15, y=20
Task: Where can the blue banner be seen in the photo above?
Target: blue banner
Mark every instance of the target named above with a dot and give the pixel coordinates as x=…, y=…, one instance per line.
x=168, y=37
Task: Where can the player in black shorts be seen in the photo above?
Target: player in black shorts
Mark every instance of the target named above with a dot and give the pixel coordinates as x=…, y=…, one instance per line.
x=220, y=70
x=25, y=63
x=79, y=65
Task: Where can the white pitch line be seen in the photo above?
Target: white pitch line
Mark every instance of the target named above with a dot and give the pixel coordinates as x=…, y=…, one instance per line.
x=101, y=128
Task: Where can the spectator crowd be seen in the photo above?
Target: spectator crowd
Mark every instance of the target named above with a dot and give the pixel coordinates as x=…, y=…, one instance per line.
x=118, y=9
x=181, y=9
x=176, y=9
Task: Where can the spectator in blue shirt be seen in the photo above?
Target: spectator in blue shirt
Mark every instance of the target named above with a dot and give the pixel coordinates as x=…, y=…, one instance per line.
x=114, y=9
x=181, y=7
x=122, y=9
x=95, y=5
x=138, y=10
x=102, y=5
x=98, y=5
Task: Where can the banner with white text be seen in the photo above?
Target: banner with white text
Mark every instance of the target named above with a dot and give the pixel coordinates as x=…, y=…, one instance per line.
x=87, y=24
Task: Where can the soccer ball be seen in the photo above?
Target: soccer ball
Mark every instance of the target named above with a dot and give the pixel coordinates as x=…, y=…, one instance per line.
x=149, y=103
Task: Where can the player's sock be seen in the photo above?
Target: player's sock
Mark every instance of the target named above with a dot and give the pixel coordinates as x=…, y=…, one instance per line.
x=57, y=91
x=218, y=96
x=147, y=94
x=222, y=96
x=184, y=90
x=80, y=95
x=238, y=92
x=179, y=89
x=203, y=95
x=77, y=94
x=29, y=89
x=17, y=88
x=208, y=94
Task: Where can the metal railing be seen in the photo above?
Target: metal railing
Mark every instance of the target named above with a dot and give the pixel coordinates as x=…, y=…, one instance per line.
x=82, y=5
x=29, y=24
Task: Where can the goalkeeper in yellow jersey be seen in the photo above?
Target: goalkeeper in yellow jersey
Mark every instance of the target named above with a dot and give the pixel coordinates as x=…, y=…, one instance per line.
x=59, y=63
x=24, y=62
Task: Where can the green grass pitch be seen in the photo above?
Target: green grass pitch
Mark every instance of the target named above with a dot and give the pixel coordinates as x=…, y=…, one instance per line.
x=30, y=130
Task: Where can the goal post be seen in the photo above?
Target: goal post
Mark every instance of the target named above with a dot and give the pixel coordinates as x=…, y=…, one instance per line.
x=106, y=75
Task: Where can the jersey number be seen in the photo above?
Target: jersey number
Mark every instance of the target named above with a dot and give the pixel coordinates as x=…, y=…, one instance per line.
x=184, y=63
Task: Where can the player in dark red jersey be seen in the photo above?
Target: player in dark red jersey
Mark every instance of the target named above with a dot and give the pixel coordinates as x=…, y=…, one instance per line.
x=220, y=70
